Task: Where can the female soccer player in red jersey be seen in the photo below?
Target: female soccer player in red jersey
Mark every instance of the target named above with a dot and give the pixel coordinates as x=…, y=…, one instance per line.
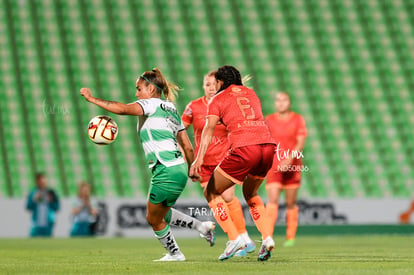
x=289, y=130
x=195, y=114
x=247, y=162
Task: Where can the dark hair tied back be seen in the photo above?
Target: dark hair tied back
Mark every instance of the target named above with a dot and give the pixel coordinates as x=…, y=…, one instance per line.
x=229, y=75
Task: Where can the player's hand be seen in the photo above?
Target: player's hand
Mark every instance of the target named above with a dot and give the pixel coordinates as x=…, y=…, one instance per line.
x=86, y=93
x=194, y=178
x=195, y=169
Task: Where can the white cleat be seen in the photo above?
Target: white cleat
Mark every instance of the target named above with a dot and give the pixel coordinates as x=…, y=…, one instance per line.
x=176, y=257
x=210, y=235
x=265, y=251
x=250, y=247
x=231, y=248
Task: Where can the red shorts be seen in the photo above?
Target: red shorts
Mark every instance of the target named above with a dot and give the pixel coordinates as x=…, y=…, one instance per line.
x=205, y=174
x=285, y=179
x=252, y=160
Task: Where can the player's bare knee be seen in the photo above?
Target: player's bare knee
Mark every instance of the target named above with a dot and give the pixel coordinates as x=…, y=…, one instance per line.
x=227, y=196
x=249, y=203
x=273, y=200
x=149, y=219
x=248, y=196
x=249, y=191
x=210, y=195
x=153, y=221
x=210, y=192
x=290, y=204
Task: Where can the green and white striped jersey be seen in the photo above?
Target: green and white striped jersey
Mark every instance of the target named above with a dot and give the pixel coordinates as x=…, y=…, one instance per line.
x=158, y=130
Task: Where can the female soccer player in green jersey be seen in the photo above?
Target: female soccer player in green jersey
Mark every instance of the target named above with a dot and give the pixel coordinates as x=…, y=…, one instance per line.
x=160, y=128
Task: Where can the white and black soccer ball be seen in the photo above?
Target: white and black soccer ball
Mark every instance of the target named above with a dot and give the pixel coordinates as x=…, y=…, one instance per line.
x=102, y=130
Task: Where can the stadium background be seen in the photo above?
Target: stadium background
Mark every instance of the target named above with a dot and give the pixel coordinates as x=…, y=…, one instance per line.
x=347, y=64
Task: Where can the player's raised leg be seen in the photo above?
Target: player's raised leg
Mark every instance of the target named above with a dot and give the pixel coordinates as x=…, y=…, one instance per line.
x=206, y=229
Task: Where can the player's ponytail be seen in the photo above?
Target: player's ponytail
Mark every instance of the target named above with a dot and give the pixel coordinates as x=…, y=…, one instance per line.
x=246, y=79
x=229, y=75
x=156, y=78
x=168, y=89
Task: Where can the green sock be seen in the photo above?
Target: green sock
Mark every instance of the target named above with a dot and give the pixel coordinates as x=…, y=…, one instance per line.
x=167, y=240
x=162, y=232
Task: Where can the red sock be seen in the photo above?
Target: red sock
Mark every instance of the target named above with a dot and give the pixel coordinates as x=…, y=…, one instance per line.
x=258, y=213
x=272, y=210
x=236, y=214
x=222, y=215
x=292, y=222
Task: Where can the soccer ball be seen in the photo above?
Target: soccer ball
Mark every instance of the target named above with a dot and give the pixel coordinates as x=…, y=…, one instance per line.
x=102, y=130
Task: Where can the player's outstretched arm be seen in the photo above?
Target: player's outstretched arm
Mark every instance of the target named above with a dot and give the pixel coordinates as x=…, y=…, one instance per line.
x=206, y=135
x=115, y=107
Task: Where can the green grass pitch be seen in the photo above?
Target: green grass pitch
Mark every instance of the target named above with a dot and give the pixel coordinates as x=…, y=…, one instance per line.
x=310, y=255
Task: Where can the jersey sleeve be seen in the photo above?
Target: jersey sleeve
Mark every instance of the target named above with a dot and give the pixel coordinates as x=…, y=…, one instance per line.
x=213, y=107
x=181, y=127
x=301, y=131
x=187, y=116
x=147, y=106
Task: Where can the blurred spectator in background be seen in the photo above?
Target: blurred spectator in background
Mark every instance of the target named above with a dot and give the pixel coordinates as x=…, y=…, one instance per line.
x=43, y=202
x=84, y=212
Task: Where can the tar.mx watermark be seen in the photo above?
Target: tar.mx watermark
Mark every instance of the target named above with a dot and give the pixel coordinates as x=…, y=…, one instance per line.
x=283, y=154
x=54, y=109
x=203, y=211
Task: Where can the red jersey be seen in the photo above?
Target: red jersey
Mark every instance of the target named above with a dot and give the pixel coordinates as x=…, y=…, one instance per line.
x=195, y=113
x=239, y=108
x=285, y=132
